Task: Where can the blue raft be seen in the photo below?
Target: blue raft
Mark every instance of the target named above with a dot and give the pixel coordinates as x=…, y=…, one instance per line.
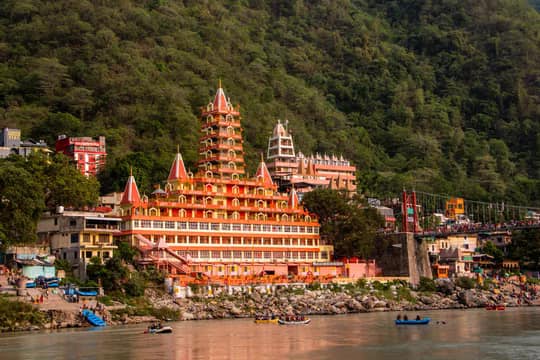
x=93, y=318
x=423, y=321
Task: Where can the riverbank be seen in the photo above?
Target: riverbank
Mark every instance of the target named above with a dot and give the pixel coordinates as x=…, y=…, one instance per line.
x=315, y=300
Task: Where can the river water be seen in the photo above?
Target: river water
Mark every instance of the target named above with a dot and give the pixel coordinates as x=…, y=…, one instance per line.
x=467, y=334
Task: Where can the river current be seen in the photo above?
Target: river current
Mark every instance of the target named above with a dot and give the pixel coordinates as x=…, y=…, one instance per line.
x=466, y=334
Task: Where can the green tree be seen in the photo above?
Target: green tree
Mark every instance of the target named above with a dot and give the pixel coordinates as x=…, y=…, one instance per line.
x=350, y=226
x=21, y=204
x=491, y=249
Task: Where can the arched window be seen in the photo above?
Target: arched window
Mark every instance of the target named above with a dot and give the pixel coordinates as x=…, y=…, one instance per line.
x=153, y=212
x=230, y=130
x=232, y=154
x=209, y=174
x=209, y=119
x=235, y=189
x=182, y=199
x=208, y=154
x=145, y=198
x=283, y=205
x=235, y=176
x=210, y=107
x=284, y=217
x=209, y=187
x=230, y=142
x=236, y=215
x=260, y=216
x=231, y=165
x=260, y=191
x=229, y=117
x=235, y=202
x=209, y=214
x=308, y=218
x=261, y=203
x=182, y=213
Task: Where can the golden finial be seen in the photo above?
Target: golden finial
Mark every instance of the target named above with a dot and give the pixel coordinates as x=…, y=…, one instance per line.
x=177, y=148
x=262, y=158
x=219, y=83
x=131, y=171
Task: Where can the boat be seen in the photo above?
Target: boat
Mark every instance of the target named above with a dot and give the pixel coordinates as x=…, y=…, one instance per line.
x=93, y=318
x=161, y=330
x=423, y=321
x=266, y=321
x=496, y=307
x=294, y=322
x=87, y=293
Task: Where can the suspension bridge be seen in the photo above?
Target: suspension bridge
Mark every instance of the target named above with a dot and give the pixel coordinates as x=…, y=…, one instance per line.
x=431, y=214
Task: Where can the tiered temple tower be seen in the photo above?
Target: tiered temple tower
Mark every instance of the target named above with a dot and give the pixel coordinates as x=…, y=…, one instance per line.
x=306, y=173
x=216, y=221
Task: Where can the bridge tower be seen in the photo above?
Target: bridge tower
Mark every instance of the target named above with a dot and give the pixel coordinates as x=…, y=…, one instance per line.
x=409, y=212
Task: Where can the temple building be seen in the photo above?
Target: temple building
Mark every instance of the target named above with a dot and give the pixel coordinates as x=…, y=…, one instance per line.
x=305, y=173
x=216, y=221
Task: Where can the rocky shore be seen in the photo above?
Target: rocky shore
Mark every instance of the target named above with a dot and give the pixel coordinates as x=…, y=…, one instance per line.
x=331, y=300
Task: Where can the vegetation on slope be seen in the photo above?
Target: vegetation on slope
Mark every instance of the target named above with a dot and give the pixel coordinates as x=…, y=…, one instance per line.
x=442, y=96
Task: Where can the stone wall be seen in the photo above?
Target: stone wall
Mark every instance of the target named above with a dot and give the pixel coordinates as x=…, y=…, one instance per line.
x=402, y=255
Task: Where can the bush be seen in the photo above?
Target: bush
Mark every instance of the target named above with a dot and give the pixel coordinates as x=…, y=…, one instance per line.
x=361, y=283
x=427, y=284
x=465, y=282
x=134, y=287
x=314, y=286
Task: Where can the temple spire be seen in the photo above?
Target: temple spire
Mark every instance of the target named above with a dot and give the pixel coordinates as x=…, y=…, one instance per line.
x=293, y=199
x=263, y=173
x=220, y=100
x=131, y=192
x=178, y=170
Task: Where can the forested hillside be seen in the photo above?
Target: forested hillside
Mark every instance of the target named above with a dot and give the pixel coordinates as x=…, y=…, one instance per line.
x=438, y=95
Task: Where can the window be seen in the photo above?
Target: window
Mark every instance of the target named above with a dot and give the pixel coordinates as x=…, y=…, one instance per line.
x=158, y=224
x=256, y=227
x=237, y=227
x=72, y=222
x=324, y=255
x=182, y=225
x=146, y=223
x=169, y=224
x=247, y=254
x=287, y=229
x=203, y=240
x=106, y=255
x=226, y=254
x=86, y=238
x=214, y=227
x=257, y=254
x=203, y=226
x=276, y=228
x=74, y=238
x=267, y=255
x=204, y=254
x=237, y=254
x=87, y=254
x=193, y=226
x=182, y=239
x=246, y=227
x=226, y=227
x=278, y=255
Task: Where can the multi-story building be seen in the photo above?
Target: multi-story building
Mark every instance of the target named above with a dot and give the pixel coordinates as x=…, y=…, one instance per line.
x=305, y=173
x=217, y=221
x=456, y=251
x=89, y=154
x=11, y=143
x=78, y=236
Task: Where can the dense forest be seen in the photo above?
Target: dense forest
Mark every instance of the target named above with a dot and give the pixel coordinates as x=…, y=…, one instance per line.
x=441, y=96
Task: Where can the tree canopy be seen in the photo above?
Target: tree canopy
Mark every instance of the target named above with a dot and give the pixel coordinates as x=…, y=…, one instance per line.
x=349, y=225
x=441, y=96
x=35, y=184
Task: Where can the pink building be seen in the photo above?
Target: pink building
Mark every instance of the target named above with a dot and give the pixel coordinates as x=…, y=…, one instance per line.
x=89, y=154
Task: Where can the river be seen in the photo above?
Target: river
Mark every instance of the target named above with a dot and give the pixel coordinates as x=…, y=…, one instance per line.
x=467, y=334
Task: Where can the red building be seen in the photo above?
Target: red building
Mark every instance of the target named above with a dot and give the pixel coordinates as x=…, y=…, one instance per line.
x=217, y=221
x=89, y=154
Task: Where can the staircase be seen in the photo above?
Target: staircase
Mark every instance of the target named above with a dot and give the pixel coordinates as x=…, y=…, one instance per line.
x=159, y=255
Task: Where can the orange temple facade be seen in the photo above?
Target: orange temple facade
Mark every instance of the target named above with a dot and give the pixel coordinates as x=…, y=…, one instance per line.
x=215, y=221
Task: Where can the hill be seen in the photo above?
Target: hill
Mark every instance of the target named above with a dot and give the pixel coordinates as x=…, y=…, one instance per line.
x=442, y=96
